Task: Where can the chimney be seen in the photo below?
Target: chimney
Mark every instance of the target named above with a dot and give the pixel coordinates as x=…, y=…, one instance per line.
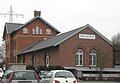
x=37, y=13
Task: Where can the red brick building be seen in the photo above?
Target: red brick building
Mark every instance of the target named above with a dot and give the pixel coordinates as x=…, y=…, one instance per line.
x=18, y=36
x=37, y=43
x=81, y=47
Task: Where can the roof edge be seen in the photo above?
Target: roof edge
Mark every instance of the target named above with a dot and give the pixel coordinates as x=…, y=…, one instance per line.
x=83, y=27
x=38, y=17
x=106, y=39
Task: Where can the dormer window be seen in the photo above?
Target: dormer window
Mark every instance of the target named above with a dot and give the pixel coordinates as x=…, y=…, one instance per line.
x=48, y=31
x=25, y=30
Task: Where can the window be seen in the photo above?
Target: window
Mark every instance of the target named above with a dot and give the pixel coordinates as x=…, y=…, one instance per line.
x=40, y=31
x=21, y=59
x=47, y=61
x=48, y=31
x=33, y=31
x=24, y=75
x=49, y=75
x=35, y=60
x=93, y=57
x=64, y=74
x=37, y=30
x=25, y=30
x=79, y=57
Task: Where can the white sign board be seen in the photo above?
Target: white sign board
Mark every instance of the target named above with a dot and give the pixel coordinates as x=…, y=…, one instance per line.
x=86, y=36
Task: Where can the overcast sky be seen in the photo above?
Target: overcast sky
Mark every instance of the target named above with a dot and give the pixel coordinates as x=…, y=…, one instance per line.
x=66, y=15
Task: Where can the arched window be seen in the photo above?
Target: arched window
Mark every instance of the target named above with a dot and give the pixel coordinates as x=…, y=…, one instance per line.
x=33, y=31
x=37, y=30
x=79, y=57
x=48, y=31
x=25, y=30
x=93, y=57
x=47, y=59
x=40, y=31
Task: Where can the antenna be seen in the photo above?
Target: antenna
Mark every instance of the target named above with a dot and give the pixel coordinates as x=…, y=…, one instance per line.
x=11, y=14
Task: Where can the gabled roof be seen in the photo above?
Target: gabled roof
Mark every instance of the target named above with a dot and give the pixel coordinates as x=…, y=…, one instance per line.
x=12, y=27
x=57, y=40
x=38, y=17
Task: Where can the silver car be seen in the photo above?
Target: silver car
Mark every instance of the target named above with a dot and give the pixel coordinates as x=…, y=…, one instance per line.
x=59, y=76
x=20, y=76
x=1, y=73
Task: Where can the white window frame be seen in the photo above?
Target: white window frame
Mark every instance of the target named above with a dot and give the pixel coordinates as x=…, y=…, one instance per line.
x=37, y=30
x=40, y=31
x=47, y=61
x=25, y=30
x=33, y=31
x=79, y=54
x=48, y=31
x=94, y=60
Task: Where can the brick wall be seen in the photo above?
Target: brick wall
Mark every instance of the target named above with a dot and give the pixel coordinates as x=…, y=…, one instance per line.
x=69, y=47
x=65, y=53
x=18, y=41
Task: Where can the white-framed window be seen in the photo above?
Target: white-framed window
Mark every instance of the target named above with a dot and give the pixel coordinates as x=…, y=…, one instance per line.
x=37, y=30
x=40, y=31
x=79, y=57
x=93, y=57
x=33, y=31
x=35, y=60
x=25, y=30
x=48, y=31
x=47, y=61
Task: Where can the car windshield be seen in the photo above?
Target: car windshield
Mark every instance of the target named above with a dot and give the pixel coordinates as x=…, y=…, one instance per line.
x=24, y=75
x=64, y=75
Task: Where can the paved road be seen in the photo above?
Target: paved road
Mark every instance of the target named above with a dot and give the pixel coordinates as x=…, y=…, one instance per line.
x=92, y=82
x=97, y=82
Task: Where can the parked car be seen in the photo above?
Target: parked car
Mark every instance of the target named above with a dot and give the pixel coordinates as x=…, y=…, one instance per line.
x=59, y=76
x=1, y=72
x=20, y=76
x=43, y=73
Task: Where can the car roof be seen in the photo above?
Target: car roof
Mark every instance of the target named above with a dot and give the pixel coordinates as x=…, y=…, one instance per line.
x=59, y=71
x=19, y=70
x=24, y=70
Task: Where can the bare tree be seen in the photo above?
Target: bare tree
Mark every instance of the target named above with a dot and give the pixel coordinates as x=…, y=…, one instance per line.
x=116, y=39
x=2, y=51
x=116, y=48
x=101, y=62
x=100, y=65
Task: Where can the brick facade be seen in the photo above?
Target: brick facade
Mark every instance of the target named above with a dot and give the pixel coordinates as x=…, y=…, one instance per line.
x=17, y=41
x=68, y=49
x=65, y=54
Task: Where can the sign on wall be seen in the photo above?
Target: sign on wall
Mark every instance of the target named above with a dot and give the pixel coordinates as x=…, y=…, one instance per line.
x=86, y=36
